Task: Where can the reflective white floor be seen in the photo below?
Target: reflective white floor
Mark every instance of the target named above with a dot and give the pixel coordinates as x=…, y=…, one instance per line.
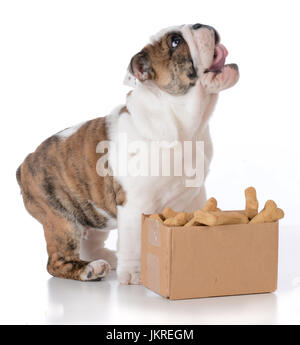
x=30, y=296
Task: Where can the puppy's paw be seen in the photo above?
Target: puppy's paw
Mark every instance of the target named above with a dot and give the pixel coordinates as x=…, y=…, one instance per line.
x=95, y=270
x=129, y=277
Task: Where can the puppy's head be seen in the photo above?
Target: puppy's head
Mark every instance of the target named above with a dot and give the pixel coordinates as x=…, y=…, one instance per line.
x=178, y=57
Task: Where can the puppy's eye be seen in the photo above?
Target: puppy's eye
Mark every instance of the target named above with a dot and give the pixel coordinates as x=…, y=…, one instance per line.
x=175, y=41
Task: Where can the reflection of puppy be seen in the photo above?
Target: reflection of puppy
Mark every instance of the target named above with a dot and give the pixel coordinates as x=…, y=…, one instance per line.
x=178, y=76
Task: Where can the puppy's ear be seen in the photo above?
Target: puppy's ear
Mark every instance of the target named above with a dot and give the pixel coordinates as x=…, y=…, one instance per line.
x=140, y=66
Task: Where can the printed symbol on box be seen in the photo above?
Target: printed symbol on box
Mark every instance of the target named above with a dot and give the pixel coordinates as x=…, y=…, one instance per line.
x=154, y=234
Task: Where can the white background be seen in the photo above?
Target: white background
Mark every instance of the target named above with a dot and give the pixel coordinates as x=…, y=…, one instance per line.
x=63, y=62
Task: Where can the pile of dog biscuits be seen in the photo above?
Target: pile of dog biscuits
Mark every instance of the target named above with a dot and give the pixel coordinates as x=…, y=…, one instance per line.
x=211, y=215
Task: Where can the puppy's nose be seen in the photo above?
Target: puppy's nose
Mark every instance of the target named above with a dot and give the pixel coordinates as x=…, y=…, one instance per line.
x=217, y=36
x=197, y=26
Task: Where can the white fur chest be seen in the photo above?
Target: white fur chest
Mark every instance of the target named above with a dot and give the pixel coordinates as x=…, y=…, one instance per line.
x=155, y=119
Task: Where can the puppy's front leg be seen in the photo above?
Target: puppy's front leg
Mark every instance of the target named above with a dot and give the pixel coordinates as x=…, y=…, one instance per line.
x=129, y=245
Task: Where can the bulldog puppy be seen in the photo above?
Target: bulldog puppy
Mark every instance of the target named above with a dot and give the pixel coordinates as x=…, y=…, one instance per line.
x=177, y=78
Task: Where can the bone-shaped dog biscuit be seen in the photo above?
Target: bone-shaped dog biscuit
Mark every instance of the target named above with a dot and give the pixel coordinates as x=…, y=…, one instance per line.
x=204, y=217
x=214, y=218
x=251, y=208
x=224, y=218
x=179, y=220
x=189, y=215
x=201, y=218
x=156, y=216
x=211, y=205
x=192, y=222
x=270, y=213
x=169, y=213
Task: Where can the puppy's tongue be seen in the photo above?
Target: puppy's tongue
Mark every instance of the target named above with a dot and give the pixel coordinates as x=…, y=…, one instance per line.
x=219, y=60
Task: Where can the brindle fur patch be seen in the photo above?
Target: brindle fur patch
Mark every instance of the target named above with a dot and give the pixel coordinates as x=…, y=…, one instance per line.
x=60, y=187
x=123, y=110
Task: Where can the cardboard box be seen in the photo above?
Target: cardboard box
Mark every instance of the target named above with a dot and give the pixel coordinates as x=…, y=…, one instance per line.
x=202, y=261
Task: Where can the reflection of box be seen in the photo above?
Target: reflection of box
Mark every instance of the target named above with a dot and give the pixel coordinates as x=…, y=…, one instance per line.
x=202, y=261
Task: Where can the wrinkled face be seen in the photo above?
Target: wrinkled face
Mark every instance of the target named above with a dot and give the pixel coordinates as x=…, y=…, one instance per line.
x=178, y=57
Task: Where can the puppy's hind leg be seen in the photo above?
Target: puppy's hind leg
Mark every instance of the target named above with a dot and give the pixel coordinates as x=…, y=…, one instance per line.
x=63, y=244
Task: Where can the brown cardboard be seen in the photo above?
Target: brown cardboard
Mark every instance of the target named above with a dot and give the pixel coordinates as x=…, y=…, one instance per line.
x=202, y=261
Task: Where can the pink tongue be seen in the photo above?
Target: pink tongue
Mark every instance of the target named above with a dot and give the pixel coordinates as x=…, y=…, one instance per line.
x=219, y=61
